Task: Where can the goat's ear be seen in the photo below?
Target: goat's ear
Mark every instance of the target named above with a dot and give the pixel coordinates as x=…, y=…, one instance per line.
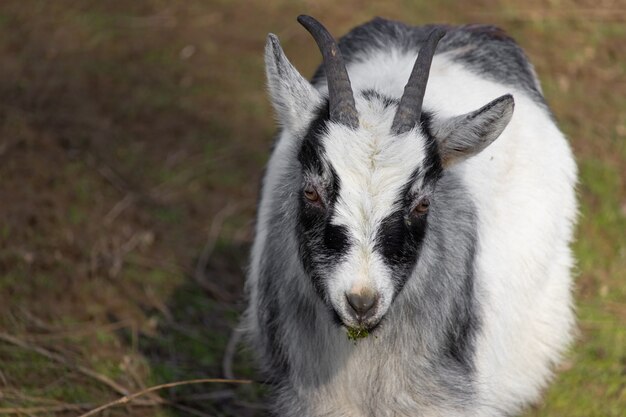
x=293, y=97
x=466, y=135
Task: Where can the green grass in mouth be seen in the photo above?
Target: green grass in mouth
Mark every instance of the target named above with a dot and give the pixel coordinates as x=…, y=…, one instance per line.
x=356, y=333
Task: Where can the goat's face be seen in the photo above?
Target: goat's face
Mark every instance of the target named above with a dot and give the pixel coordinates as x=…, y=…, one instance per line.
x=369, y=168
x=363, y=208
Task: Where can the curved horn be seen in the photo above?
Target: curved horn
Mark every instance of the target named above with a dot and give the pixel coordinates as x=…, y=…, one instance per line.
x=340, y=97
x=410, y=107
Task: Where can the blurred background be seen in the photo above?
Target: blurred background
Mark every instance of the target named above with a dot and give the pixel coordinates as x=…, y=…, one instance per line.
x=133, y=135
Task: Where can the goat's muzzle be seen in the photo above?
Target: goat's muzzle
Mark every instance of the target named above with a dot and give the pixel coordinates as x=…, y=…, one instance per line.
x=362, y=306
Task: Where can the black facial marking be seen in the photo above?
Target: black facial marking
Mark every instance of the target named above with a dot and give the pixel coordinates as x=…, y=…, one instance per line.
x=310, y=155
x=322, y=245
x=335, y=238
x=399, y=238
x=432, y=160
x=375, y=95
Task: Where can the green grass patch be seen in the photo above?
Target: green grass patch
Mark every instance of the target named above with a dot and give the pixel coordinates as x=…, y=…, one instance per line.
x=356, y=333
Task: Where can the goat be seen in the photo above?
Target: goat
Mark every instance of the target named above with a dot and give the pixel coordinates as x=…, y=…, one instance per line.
x=407, y=263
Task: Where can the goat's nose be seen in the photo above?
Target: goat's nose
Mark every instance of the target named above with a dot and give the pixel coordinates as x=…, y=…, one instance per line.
x=362, y=303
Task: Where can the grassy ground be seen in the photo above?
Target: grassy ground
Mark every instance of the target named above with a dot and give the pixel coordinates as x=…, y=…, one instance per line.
x=132, y=139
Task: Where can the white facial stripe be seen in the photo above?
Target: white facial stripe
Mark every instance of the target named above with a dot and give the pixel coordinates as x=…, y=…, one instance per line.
x=373, y=167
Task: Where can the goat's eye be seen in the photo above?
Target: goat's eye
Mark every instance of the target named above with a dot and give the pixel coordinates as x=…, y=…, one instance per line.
x=422, y=207
x=311, y=195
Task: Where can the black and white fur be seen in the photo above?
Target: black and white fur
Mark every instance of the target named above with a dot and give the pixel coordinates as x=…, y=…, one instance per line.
x=474, y=300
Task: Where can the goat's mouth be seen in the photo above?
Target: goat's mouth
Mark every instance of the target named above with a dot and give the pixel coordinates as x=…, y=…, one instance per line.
x=358, y=326
x=358, y=329
x=356, y=333
x=361, y=331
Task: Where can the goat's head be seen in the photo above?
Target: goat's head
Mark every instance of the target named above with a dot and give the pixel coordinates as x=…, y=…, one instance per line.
x=369, y=168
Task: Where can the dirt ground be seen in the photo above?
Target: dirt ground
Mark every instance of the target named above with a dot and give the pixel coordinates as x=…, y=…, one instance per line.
x=133, y=135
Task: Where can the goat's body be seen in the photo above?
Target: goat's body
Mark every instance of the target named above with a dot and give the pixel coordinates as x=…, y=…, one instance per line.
x=507, y=216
